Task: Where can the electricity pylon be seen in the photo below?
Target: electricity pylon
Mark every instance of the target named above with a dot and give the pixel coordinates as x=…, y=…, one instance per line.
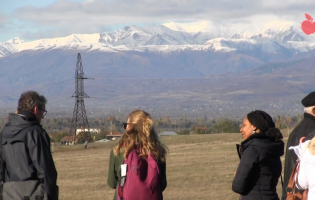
x=79, y=118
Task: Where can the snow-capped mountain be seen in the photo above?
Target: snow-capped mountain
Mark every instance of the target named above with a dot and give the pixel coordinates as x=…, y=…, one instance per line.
x=169, y=37
x=166, y=62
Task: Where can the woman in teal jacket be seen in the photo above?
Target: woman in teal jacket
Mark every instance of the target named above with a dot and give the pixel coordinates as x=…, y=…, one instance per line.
x=139, y=132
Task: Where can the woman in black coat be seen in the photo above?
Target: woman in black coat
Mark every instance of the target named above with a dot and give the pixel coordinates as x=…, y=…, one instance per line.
x=260, y=167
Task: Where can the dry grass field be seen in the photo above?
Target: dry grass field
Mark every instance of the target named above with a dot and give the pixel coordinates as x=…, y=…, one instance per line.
x=198, y=167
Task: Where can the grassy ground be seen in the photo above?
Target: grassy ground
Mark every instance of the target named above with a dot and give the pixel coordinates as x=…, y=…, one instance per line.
x=198, y=167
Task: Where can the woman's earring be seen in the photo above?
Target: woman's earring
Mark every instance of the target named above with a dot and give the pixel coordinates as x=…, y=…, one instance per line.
x=254, y=132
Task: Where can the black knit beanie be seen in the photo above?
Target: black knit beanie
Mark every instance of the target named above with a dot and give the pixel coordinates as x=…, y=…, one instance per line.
x=264, y=123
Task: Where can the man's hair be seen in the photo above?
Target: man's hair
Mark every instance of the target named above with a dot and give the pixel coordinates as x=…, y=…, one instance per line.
x=30, y=99
x=309, y=110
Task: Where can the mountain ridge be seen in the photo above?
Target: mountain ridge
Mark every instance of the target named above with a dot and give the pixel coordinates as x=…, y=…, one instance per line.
x=288, y=36
x=167, y=70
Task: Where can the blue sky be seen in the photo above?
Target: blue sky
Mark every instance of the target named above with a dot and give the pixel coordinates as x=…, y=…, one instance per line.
x=36, y=19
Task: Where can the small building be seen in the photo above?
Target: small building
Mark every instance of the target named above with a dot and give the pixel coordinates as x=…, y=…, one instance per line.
x=68, y=140
x=167, y=133
x=92, y=130
x=113, y=135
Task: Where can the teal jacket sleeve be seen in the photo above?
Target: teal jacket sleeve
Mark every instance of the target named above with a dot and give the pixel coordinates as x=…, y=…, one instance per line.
x=112, y=174
x=114, y=169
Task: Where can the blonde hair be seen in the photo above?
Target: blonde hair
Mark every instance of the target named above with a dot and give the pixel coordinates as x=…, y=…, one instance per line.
x=141, y=135
x=311, y=146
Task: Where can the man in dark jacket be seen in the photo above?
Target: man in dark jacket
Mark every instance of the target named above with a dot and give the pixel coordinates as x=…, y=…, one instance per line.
x=26, y=145
x=303, y=129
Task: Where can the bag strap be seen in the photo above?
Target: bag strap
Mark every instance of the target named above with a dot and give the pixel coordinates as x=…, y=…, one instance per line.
x=121, y=184
x=291, y=184
x=122, y=181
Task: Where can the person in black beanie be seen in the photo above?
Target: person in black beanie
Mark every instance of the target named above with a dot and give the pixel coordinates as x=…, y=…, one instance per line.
x=306, y=128
x=260, y=166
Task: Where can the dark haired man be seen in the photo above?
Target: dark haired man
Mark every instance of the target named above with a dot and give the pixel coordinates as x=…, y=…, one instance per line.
x=305, y=128
x=26, y=146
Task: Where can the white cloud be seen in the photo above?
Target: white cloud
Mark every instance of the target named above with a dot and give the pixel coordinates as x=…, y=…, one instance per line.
x=62, y=18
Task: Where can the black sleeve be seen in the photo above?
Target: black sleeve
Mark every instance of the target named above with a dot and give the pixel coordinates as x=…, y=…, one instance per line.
x=310, y=136
x=39, y=150
x=162, y=168
x=241, y=182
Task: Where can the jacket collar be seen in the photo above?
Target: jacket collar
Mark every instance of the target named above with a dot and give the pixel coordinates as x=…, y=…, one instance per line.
x=309, y=116
x=263, y=141
x=256, y=135
x=27, y=115
x=250, y=139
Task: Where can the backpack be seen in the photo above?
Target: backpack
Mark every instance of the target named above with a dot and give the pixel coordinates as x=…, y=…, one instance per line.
x=142, y=181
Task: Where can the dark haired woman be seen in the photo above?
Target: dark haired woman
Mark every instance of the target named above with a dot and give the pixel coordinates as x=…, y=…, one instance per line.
x=140, y=134
x=260, y=167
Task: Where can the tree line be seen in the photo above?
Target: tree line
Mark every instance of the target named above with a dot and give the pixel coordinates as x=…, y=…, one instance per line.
x=57, y=128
